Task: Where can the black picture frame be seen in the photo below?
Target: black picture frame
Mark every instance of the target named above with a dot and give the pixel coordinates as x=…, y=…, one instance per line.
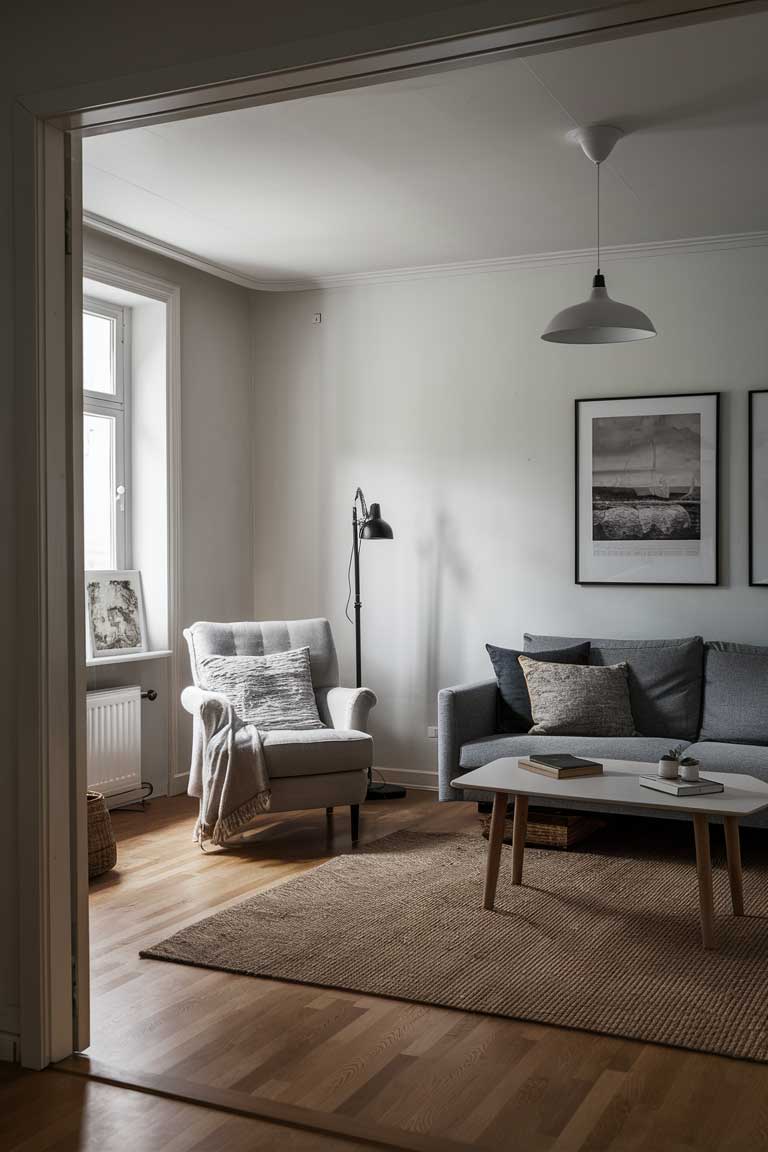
x=712, y=583
x=751, y=501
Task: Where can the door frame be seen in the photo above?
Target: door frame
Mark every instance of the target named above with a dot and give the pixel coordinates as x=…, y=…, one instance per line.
x=47, y=134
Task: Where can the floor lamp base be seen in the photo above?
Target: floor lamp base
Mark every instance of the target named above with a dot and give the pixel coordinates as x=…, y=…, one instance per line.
x=384, y=792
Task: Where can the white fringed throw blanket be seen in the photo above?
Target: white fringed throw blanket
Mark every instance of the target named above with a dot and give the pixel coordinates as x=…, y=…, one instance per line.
x=235, y=781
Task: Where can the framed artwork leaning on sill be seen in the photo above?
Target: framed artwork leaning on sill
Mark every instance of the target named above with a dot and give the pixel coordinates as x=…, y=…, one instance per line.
x=758, y=487
x=114, y=614
x=647, y=489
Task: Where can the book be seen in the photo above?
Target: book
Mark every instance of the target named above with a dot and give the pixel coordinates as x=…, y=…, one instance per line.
x=564, y=760
x=570, y=768
x=678, y=787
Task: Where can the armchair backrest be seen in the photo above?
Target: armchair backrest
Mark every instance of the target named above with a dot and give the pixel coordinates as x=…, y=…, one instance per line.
x=262, y=638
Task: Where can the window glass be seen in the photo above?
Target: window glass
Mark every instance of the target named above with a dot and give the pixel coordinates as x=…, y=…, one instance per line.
x=99, y=495
x=98, y=353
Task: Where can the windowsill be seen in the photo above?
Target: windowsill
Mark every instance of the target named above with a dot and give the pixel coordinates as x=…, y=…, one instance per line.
x=129, y=658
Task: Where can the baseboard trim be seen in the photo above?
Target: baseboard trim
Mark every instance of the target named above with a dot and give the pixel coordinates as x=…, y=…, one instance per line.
x=10, y=1047
x=409, y=777
x=240, y=1104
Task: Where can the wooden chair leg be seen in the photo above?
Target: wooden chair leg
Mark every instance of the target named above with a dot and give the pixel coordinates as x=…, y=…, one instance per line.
x=354, y=812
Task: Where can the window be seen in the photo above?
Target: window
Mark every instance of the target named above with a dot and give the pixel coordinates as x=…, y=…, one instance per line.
x=106, y=431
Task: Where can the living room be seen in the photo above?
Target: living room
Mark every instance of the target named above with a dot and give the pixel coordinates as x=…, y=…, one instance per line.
x=349, y=293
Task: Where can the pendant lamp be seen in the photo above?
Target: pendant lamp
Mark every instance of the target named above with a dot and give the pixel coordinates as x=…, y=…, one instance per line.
x=598, y=320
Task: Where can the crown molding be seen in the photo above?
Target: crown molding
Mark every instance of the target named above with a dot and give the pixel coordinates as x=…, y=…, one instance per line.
x=171, y=252
x=542, y=260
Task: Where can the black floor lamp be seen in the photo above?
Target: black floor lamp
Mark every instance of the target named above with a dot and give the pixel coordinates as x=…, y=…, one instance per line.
x=368, y=526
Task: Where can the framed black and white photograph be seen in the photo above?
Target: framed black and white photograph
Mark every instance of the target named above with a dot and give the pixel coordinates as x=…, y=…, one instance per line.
x=647, y=489
x=114, y=609
x=758, y=487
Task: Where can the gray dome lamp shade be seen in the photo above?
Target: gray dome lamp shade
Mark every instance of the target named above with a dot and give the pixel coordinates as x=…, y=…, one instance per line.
x=598, y=320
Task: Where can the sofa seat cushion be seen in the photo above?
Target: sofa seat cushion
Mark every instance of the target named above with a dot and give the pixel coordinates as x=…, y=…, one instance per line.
x=664, y=678
x=750, y=759
x=316, y=751
x=735, y=693
x=644, y=749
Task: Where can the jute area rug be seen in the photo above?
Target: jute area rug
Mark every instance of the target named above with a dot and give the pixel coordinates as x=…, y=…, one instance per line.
x=595, y=942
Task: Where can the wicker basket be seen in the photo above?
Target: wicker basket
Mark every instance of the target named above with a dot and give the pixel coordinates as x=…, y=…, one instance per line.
x=551, y=828
x=102, y=849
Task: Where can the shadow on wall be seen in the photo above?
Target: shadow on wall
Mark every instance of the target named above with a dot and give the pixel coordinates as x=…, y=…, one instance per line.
x=444, y=583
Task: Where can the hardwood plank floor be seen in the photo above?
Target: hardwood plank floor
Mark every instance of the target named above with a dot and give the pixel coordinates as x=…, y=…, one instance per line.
x=50, y=1110
x=442, y=1075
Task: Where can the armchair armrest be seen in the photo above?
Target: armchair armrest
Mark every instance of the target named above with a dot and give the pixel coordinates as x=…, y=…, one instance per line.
x=348, y=708
x=193, y=699
x=464, y=713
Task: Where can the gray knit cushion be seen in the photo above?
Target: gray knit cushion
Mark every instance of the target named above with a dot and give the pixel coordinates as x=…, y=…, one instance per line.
x=267, y=691
x=571, y=700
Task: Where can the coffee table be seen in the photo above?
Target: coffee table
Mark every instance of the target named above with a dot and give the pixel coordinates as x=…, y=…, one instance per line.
x=619, y=786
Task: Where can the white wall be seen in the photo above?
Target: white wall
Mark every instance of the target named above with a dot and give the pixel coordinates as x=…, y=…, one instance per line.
x=440, y=400
x=216, y=496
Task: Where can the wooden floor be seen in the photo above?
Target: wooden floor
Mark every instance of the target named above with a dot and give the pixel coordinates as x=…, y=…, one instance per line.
x=54, y=1112
x=427, y=1076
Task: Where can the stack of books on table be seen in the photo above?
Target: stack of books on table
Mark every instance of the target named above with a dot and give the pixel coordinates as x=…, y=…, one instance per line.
x=679, y=787
x=561, y=767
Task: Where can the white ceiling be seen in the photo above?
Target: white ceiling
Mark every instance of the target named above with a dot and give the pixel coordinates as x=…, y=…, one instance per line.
x=469, y=165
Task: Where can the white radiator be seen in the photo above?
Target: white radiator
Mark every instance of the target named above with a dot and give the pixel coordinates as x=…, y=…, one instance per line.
x=114, y=740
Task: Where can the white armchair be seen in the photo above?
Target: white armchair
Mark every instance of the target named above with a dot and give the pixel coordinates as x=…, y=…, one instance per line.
x=314, y=768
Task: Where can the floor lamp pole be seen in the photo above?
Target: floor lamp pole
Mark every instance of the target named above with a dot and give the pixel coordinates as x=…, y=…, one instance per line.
x=372, y=527
x=358, y=601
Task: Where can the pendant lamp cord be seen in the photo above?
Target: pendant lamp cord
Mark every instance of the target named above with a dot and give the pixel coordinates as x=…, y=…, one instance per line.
x=598, y=218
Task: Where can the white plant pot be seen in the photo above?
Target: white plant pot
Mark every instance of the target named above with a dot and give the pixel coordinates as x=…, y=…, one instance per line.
x=668, y=769
x=689, y=772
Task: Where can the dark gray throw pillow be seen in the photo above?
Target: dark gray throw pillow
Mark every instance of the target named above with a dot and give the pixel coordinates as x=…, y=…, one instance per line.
x=513, y=705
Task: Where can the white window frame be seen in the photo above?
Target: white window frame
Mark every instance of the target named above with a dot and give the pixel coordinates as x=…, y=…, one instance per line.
x=117, y=406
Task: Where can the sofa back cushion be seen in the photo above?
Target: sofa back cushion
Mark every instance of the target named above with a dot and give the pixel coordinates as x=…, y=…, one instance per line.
x=513, y=706
x=665, y=679
x=735, y=693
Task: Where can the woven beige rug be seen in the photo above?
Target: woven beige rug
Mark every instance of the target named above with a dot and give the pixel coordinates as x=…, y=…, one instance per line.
x=595, y=942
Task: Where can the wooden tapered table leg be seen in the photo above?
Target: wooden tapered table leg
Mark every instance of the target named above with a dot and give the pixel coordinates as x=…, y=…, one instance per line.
x=519, y=829
x=495, y=841
x=733, y=851
x=704, y=872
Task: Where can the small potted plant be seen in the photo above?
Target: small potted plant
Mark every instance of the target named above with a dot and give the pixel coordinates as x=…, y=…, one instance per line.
x=689, y=768
x=669, y=764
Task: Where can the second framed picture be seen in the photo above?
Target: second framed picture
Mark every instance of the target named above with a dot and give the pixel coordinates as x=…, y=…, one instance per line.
x=647, y=489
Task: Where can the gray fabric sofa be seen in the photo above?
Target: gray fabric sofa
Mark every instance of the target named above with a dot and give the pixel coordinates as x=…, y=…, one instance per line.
x=711, y=697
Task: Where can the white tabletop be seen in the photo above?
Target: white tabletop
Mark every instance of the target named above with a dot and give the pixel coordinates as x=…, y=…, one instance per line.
x=619, y=785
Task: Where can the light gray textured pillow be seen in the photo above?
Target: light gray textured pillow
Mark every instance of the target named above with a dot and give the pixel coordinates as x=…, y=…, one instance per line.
x=578, y=700
x=272, y=691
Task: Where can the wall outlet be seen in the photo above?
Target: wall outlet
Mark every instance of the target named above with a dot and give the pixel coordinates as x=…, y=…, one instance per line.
x=431, y=732
x=317, y=318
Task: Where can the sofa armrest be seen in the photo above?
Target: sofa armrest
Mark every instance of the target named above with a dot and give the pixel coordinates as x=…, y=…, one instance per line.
x=348, y=708
x=463, y=713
